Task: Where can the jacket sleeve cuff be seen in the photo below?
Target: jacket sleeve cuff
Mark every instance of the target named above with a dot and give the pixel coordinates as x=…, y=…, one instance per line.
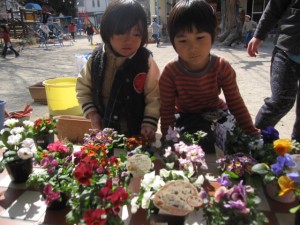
x=87, y=108
x=150, y=122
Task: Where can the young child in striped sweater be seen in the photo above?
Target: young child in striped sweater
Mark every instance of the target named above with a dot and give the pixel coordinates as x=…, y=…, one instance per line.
x=190, y=85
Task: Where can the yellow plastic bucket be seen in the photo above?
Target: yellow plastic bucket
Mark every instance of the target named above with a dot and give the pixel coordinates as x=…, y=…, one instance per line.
x=61, y=96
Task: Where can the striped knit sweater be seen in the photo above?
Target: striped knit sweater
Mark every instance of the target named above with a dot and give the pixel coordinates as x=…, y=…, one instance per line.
x=195, y=92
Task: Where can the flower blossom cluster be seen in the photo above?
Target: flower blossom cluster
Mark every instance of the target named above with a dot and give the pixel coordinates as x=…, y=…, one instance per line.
x=55, y=177
x=16, y=141
x=151, y=183
x=239, y=163
x=232, y=203
x=190, y=156
x=98, y=191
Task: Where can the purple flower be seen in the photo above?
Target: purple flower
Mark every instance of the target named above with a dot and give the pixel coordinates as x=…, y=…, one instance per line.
x=224, y=180
x=295, y=176
x=277, y=168
x=283, y=161
x=240, y=205
x=270, y=135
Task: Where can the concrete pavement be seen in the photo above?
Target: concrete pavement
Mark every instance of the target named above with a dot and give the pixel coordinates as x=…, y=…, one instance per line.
x=37, y=64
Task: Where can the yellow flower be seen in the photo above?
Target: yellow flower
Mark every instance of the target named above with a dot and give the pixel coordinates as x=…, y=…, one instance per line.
x=282, y=146
x=286, y=184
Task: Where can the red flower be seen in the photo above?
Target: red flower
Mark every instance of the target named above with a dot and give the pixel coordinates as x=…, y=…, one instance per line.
x=83, y=173
x=139, y=82
x=118, y=197
x=95, y=217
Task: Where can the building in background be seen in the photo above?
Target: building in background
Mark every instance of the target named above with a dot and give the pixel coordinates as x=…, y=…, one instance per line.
x=162, y=8
x=90, y=11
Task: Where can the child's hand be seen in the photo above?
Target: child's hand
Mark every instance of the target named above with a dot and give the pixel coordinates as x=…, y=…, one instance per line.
x=148, y=133
x=95, y=120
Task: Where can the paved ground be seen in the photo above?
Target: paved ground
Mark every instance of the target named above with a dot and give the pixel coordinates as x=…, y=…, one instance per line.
x=37, y=64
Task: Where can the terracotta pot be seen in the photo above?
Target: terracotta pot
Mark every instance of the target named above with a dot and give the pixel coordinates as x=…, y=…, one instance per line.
x=19, y=170
x=272, y=190
x=44, y=140
x=38, y=93
x=72, y=128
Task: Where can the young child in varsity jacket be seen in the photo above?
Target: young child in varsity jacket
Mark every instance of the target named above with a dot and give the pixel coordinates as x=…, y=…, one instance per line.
x=190, y=85
x=118, y=87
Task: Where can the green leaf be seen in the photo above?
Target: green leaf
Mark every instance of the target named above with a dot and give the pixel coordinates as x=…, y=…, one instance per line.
x=260, y=168
x=294, y=209
x=9, y=153
x=231, y=174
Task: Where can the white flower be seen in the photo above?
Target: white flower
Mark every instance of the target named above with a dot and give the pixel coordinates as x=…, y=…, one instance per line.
x=134, y=205
x=17, y=130
x=151, y=181
x=168, y=151
x=10, y=122
x=28, y=123
x=25, y=153
x=200, y=180
x=147, y=180
x=164, y=173
x=157, y=183
x=146, y=199
x=14, y=139
x=28, y=143
x=180, y=173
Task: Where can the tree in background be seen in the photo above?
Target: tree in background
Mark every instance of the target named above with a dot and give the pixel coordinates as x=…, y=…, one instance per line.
x=231, y=24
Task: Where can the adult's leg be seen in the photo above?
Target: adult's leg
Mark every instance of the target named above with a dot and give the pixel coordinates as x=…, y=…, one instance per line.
x=16, y=53
x=296, y=129
x=284, y=88
x=4, y=51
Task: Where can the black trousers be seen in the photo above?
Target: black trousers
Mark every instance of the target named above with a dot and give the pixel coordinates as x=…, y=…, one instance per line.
x=285, y=89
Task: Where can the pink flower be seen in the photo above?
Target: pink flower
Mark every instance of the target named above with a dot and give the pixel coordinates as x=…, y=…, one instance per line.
x=50, y=194
x=220, y=193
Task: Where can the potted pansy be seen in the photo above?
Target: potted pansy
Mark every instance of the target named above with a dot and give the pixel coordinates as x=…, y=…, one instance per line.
x=100, y=181
x=171, y=194
x=54, y=176
x=238, y=165
x=232, y=204
x=279, y=164
x=184, y=151
x=18, y=149
x=43, y=131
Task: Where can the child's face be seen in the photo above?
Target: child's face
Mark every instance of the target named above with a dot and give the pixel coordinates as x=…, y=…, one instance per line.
x=193, y=48
x=127, y=44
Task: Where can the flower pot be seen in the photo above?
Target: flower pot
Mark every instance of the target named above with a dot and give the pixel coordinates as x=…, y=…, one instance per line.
x=2, y=114
x=44, y=140
x=272, y=190
x=167, y=218
x=19, y=170
x=38, y=93
x=72, y=128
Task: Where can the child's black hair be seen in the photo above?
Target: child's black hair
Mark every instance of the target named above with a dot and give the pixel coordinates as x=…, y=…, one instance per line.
x=189, y=13
x=120, y=16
